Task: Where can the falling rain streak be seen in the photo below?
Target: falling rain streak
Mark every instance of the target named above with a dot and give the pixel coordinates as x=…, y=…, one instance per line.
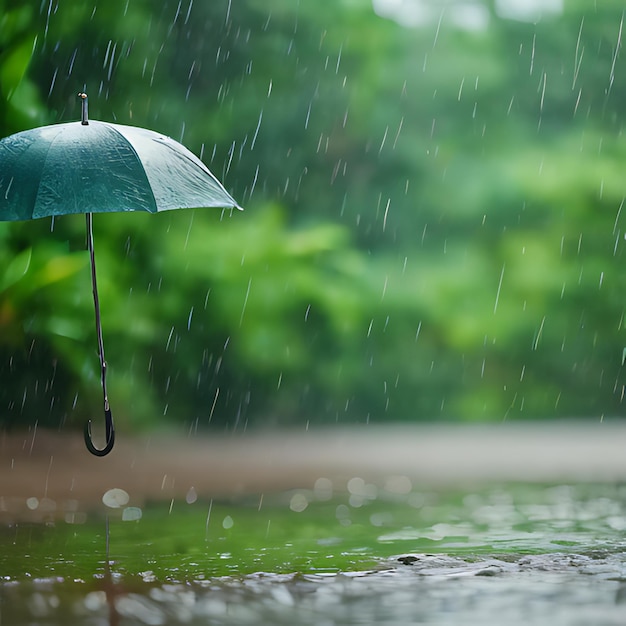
x=495, y=305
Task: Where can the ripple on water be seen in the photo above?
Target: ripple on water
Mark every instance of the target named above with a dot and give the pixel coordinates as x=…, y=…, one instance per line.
x=557, y=588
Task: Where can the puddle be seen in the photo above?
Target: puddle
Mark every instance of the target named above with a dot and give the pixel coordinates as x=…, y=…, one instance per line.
x=375, y=554
x=433, y=589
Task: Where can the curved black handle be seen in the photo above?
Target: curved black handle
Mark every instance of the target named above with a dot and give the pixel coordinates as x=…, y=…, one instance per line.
x=109, y=433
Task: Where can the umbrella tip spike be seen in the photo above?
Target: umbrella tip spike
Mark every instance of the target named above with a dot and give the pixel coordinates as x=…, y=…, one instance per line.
x=84, y=119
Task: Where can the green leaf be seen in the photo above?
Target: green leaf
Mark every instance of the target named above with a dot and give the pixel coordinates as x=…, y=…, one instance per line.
x=16, y=270
x=59, y=268
x=14, y=65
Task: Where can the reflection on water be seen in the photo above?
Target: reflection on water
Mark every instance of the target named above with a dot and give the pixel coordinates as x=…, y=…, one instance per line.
x=515, y=554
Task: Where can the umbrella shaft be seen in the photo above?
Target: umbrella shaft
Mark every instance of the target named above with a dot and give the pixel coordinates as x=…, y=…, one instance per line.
x=96, y=301
x=108, y=418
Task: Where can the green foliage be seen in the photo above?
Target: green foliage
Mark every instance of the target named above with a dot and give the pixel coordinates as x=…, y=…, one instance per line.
x=20, y=103
x=433, y=227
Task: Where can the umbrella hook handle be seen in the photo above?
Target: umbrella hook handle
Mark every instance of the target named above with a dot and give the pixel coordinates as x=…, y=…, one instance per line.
x=108, y=417
x=109, y=433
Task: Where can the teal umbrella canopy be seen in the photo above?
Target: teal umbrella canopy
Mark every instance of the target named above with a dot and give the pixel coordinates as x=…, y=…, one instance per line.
x=101, y=168
x=95, y=167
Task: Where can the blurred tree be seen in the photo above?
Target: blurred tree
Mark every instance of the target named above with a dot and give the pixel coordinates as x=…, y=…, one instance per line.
x=433, y=226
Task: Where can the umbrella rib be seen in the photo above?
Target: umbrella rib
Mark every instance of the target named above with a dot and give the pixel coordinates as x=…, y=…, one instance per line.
x=206, y=170
x=43, y=168
x=190, y=158
x=139, y=161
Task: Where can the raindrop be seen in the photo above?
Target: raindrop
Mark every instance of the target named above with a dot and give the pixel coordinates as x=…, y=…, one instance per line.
x=245, y=301
x=438, y=28
x=111, y=62
x=54, y=77
x=298, y=502
x=342, y=513
x=188, y=11
x=115, y=498
x=217, y=393
x=386, y=214
x=169, y=339
x=171, y=27
x=508, y=111
x=106, y=54
x=578, y=59
x=382, y=297
x=208, y=519
x=45, y=32
x=131, y=514
x=384, y=139
x=618, y=46
x=619, y=211
x=386, y=324
x=539, y=333
x=228, y=522
x=460, y=89
x=339, y=59
x=544, y=80
x=395, y=141
x=254, y=181
x=32, y=503
x=189, y=319
x=495, y=306
x=6, y=195
x=231, y=152
x=256, y=132
x=323, y=489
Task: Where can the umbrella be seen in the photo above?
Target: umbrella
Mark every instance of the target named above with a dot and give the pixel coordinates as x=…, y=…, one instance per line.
x=96, y=167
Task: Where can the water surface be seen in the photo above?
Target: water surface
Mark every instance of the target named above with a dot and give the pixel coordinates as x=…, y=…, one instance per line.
x=384, y=553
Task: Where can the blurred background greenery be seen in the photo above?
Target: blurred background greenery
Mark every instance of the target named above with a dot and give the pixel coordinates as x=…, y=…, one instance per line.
x=433, y=225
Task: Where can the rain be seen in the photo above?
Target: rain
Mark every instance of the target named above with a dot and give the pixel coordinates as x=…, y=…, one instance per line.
x=402, y=363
